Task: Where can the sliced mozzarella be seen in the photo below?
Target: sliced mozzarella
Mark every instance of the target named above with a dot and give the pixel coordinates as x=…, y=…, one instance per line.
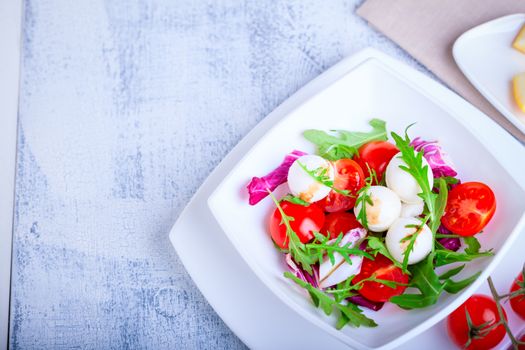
x=384, y=210
x=302, y=184
x=412, y=210
x=402, y=183
x=399, y=230
x=338, y=271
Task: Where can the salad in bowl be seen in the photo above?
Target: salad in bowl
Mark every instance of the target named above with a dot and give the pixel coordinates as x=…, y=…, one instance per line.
x=367, y=221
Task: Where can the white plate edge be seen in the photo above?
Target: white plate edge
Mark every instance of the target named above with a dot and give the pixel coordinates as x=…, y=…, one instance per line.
x=475, y=82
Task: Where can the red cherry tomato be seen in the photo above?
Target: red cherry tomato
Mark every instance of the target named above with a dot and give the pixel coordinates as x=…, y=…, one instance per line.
x=306, y=219
x=377, y=154
x=470, y=206
x=521, y=339
x=518, y=302
x=348, y=176
x=484, y=313
x=382, y=268
x=336, y=223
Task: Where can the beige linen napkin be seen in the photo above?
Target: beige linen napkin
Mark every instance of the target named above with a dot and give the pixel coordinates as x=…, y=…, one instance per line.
x=427, y=29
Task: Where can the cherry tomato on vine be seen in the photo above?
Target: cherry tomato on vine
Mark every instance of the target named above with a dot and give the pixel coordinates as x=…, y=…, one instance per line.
x=470, y=206
x=348, y=176
x=521, y=339
x=377, y=155
x=481, y=334
x=340, y=222
x=384, y=269
x=306, y=219
x=518, y=302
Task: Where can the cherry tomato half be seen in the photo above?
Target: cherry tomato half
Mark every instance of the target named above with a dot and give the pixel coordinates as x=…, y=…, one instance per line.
x=484, y=313
x=382, y=268
x=336, y=223
x=470, y=206
x=305, y=220
x=377, y=154
x=518, y=302
x=348, y=176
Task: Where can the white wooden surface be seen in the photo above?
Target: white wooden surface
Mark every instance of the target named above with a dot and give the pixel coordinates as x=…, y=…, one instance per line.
x=125, y=108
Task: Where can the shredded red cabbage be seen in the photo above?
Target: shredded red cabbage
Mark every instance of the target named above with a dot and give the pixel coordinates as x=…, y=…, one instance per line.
x=439, y=161
x=452, y=243
x=352, y=236
x=300, y=273
x=362, y=301
x=259, y=186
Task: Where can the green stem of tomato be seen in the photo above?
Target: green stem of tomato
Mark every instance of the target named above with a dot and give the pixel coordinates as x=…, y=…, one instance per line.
x=514, y=294
x=503, y=321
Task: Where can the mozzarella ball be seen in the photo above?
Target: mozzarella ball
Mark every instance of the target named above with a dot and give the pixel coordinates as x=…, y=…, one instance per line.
x=303, y=185
x=412, y=210
x=399, y=230
x=404, y=184
x=384, y=210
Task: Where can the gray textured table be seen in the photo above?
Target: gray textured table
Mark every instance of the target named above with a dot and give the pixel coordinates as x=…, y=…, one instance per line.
x=125, y=108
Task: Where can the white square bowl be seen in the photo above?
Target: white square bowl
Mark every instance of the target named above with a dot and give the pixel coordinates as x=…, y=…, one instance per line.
x=486, y=56
x=370, y=90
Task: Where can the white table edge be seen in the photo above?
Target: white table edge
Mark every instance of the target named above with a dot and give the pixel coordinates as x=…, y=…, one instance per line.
x=10, y=45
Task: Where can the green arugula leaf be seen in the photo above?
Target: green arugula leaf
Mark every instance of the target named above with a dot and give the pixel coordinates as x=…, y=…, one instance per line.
x=295, y=200
x=363, y=198
x=435, y=203
x=320, y=175
x=353, y=315
x=412, y=241
x=451, y=273
x=427, y=281
x=295, y=246
x=414, y=301
x=473, y=245
x=343, y=289
x=424, y=277
x=388, y=283
x=341, y=322
x=377, y=246
x=406, y=254
x=346, y=289
x=449, y=180
x=320, y=245
x=348, y=314
x=440, y=205
x=454, y=287
x=443, y=235
x=445, y=256
x=344, y=144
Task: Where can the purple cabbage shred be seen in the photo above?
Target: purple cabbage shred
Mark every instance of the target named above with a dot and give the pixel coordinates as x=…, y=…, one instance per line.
x=300, y=273
x=362, y=301
x=439, y=161
x=259, y=186
x=452, y=243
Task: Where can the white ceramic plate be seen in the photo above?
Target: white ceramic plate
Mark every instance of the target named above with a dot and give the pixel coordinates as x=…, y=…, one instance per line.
x=486, y=57
x=371, y=89
x=255, y=314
